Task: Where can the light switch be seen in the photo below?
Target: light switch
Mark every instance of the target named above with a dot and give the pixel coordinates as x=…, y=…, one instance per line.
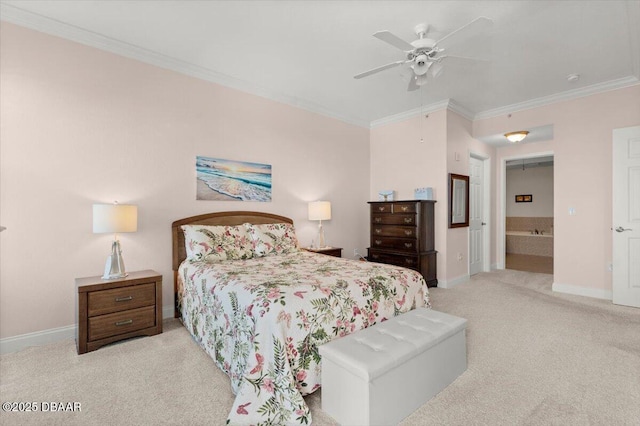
x=572, y=211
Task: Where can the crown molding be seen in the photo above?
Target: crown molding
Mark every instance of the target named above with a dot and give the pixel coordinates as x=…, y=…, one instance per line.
x=53, y=27
x=405, y=115
x=560, y=97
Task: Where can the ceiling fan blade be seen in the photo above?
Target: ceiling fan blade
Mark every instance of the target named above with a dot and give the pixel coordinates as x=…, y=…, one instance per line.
x=473, y=29
x=416, y=82
x=413, y=85
x=382, y=68
x=394, y=40
x=465, y=58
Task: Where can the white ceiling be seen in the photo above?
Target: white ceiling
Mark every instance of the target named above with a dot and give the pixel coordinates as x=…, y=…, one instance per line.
x=306, y=53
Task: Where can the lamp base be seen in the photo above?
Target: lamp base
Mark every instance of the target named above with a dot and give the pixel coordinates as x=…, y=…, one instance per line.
x=114, y=267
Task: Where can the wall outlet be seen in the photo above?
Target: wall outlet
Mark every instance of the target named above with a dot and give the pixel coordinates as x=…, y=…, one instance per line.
x=572, y=211
x=610, y=266
x=459, y=257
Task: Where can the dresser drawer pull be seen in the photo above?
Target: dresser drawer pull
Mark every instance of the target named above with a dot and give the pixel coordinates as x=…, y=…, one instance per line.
x=408, y=245
x=125, y=322
x=375, y=256
x=381, y=208
x=124, y=299
x=378, y=242
x=377, y=219
x=408, y=220
x=408, y=261
x=408, y=232
x=404, y=208
x=378, y=230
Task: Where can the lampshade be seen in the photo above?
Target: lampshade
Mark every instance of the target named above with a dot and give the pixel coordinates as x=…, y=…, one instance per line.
x=114, y=218
x=516, y=136
x=320, y=210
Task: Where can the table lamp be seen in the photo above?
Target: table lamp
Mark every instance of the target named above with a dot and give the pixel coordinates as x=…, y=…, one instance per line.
x=114, y=218
x=320, y=210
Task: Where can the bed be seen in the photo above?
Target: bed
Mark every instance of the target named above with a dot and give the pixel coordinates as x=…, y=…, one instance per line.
x=260, y=306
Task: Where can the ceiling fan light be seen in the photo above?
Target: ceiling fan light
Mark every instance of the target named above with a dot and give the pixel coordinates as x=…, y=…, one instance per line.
x=515, y=137
x=421, y=65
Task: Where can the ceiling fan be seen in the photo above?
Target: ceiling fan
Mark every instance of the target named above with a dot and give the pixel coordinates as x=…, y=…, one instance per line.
x=425, y=55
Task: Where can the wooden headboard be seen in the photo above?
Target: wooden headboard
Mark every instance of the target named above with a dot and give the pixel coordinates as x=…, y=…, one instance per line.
x=219, y=218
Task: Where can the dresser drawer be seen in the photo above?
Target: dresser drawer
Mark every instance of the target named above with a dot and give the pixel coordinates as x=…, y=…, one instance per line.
x=381, y=208
x=394, y=208
x=393, y=231
x=120, y=299
x=393, y=219
x=407, y=261
x=390, y=243
x=121, y=322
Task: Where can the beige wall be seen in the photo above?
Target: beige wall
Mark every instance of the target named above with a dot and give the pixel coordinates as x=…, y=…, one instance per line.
x=82, y=126
x=582, y=148
x=537, y=181
x=399, y=161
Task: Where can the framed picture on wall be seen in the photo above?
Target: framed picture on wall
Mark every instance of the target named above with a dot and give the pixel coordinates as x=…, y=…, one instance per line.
x=528, y=198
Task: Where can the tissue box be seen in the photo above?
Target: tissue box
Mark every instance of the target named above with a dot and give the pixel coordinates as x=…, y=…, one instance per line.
x=423, y=193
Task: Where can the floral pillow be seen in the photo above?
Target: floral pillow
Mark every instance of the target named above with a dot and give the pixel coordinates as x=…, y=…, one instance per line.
x=217, y=243
x=272, y=238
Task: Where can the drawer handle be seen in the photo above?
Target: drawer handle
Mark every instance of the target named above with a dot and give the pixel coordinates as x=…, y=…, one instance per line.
x=378, y=242
x=377, y=219
x=408, y=232
x=378, y=230
x=124, y=299
x=408, y=219
x=408, y=245
x=125, y=322
x=404, y=208
x=381, y=208
x=375, y=256
x=408, y=261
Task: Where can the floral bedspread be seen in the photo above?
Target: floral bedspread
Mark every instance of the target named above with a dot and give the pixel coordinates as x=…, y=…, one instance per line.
x=262, y=321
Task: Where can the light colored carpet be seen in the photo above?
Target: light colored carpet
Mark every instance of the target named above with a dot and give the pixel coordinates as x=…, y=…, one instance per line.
x=535, y=358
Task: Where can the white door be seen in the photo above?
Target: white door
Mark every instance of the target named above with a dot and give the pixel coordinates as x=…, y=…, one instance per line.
x=626, y=216
x=476, y=210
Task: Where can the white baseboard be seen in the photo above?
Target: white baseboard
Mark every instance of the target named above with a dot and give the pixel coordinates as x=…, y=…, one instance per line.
x=39, y=338
x=597, y=293
x=16, y=343
x=454, y=282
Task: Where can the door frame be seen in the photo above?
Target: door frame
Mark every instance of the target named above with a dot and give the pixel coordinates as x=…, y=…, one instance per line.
x=501, y=245
x=486, y=213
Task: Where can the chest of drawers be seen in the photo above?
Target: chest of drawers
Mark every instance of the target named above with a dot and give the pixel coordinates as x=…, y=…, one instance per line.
x=112, y=310
x=402, y=233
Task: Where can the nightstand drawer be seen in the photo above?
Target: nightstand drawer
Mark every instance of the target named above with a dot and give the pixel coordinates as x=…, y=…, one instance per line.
x=120, y=299
x=121, y=322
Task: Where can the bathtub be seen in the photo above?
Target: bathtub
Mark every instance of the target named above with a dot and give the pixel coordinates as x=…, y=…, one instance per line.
x=523, y=242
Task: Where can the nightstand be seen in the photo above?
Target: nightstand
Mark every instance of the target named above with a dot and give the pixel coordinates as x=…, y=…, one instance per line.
x=329, y=251
x=113, y=310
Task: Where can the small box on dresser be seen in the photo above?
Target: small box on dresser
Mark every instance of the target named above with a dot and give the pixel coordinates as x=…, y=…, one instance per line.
x=118, y=309
x=402, y=234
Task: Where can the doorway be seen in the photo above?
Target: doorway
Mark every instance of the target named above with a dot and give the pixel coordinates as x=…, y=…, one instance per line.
x=528, y=237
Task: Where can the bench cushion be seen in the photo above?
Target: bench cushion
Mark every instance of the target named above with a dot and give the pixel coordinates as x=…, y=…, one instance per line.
x=371, y=352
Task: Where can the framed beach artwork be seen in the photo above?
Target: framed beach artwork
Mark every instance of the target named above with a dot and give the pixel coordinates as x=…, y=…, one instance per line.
x=229, y=180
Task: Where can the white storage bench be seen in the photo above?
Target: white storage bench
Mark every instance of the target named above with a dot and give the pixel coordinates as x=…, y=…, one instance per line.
x=380, y=375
